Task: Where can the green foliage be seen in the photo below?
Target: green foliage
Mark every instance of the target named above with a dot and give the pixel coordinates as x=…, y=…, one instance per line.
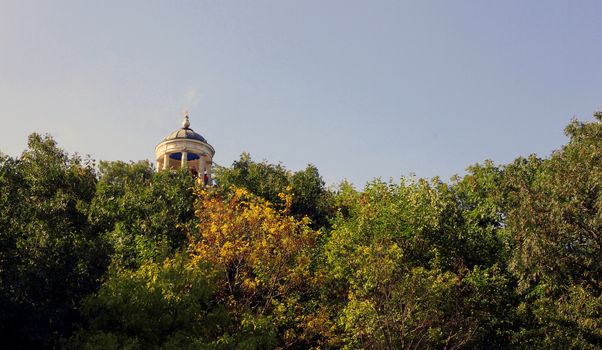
x=555, y=222
x=156, y=306
x=310, y=197
x=50, y=258
x=140, y=212
x=557, y=219
x=436, y=225
x=123, y=257
x=403, y=253
x=569, y=320
x=262, y=179
x=481, y=206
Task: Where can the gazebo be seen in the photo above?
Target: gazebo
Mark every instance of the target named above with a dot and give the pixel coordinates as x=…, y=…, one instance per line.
x=185, y=148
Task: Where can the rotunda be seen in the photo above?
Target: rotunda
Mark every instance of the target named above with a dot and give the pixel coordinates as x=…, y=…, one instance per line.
x=184, y=148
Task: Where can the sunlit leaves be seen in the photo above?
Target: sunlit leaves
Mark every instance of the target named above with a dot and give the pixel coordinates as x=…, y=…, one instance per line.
x=156, y=306
x=262, y=254
x=309, y=197
x=506, y=256
x=557, y=219
x=403, y=252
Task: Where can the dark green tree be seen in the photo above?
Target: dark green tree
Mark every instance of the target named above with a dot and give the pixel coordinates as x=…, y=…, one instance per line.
x=310, y=196
x=164, y=305
x=141, y=213
x=50, y=258
x=555, y=222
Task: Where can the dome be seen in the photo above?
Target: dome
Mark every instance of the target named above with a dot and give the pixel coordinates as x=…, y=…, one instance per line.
x=185, y=133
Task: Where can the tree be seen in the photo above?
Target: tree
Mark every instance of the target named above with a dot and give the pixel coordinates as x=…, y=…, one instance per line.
x=555, y=222
x=310, y=196
x=263, y=258
x=140, y=212
x=556, y=219
x=159, y=305
x=262, y=179
x=50, y=257
x=408, y=278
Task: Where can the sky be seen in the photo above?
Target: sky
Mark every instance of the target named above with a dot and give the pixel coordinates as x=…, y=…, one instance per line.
x=360, y=89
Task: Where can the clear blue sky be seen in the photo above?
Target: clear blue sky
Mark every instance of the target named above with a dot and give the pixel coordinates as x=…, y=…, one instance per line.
x=361, y=89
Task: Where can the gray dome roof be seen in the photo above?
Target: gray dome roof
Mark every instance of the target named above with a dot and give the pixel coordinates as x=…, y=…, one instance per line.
x=185, y=133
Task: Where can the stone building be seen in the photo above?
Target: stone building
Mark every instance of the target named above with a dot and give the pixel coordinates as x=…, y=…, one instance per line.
x=184, y=148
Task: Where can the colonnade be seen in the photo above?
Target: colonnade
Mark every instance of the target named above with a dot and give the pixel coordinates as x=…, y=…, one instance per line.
x=201, y=165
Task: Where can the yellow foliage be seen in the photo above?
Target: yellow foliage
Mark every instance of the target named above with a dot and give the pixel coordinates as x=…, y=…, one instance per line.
x=262, y=253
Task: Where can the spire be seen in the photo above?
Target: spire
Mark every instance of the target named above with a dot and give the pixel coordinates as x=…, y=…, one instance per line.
x=185, y=122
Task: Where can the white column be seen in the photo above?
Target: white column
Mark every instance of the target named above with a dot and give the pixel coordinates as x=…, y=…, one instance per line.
x=201, y=168
x=209, y=172
x=166, y=161
x=184, y=160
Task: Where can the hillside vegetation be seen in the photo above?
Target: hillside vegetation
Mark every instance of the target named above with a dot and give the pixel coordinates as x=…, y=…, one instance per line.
x=117, y=256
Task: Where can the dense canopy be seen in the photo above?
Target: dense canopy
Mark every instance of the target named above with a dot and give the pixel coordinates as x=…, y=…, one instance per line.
x=118, y=256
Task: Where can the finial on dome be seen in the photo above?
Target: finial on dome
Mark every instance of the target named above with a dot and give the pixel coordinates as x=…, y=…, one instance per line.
x=185, y=122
